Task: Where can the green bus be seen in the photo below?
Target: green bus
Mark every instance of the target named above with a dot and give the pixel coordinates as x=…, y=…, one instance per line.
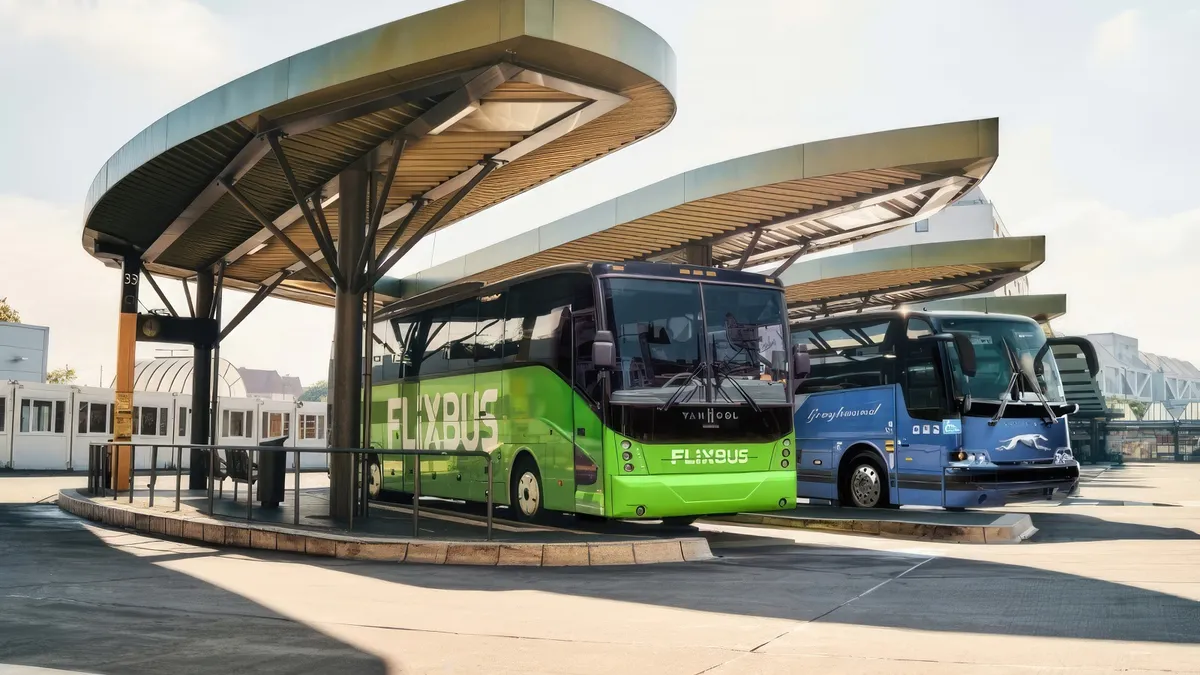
x=618, y=390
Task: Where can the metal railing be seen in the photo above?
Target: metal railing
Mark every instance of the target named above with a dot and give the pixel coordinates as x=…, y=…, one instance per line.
x=100, y=466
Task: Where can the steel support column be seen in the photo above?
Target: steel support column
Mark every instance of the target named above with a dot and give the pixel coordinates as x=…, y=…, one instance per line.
x=202, y=367
x=345, y=387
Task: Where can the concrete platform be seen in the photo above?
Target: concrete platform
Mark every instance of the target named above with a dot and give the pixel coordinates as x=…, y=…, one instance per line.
x=533, y=546
x=969, y=527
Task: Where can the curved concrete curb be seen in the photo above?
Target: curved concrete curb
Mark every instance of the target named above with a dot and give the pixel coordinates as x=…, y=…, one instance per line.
x=1008, y=528
x=275, y=538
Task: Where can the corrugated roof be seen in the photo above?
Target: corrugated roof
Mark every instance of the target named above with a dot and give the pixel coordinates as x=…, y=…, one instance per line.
x=537, y=87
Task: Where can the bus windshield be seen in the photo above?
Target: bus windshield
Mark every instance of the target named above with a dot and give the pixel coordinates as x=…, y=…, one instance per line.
x=720, y=343
x=998, y=343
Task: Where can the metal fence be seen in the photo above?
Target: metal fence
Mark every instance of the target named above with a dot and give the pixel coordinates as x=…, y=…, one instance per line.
x=100, y=466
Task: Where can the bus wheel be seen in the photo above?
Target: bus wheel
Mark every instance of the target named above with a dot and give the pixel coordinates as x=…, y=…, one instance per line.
x=374, y=477
x=864, y=484
x=526, y=491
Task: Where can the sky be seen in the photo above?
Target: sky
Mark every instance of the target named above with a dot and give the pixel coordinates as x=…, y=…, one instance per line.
x=1097, y=102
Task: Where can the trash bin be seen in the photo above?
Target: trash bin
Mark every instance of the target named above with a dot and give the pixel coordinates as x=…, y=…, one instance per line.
x=271, y=471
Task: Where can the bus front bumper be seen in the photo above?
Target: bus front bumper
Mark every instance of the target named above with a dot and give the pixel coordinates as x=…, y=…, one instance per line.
x=664, y=496
x=968, y=487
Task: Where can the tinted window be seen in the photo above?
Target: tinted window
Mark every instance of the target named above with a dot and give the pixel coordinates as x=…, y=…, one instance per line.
x=433, y=355
x=461, y=335
x=489, y=330
x=924, y=386
x=848, y=355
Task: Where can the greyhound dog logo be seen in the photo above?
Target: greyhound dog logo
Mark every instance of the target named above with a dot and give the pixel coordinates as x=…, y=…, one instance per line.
x=1032, y=440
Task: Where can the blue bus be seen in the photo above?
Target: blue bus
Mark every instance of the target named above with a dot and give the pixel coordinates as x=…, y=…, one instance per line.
x=950, y=409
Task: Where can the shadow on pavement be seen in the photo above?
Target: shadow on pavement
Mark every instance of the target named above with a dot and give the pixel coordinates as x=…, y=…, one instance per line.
x=70, y=601
x=806, y=583
x=1059, y=527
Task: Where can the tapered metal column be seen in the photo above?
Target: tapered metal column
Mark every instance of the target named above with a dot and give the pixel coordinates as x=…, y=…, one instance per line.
x=201, y=387
x=123, y=421
x=345, y=389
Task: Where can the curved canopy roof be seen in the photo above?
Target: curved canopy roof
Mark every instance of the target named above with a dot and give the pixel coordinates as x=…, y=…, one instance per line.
x=1040, y=308
x=771, y=207
x=529, y=88
x=890, y=277
x=173, y=374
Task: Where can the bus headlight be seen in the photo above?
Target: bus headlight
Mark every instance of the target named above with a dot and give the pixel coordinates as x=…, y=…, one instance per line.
x=787, y=442
x=783, y=463
x=628, y=468
x=625, y=445
x=787, y=453
x=626, y=456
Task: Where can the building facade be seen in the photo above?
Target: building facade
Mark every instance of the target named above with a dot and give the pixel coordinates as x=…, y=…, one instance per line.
x=23, y=352
x=972, y=217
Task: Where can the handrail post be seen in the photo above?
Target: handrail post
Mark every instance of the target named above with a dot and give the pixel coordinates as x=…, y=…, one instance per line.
x=212, y=466
x=489, y=497
x=178, y=474
x=249, y=485
x=153, y=473
x=132, y=462
x=353, y=484
x=416, y=505
x=296, y=495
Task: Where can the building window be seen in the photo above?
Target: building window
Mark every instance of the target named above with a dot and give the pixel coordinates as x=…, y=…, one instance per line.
x=183, y=421
x=149, y=421
x=275, y=425
x=43, y=417
x=312, y=426
x=3, y=412
x=237, y=424
x=94, y=418
x=922, y=225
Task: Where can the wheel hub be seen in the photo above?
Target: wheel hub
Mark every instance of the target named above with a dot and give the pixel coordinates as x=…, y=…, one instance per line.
x=528, y=497
x=865, y=487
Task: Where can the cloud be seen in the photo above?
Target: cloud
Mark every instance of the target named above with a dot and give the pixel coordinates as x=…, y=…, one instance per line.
x=1117, y=39
x=1122, y=273
x=176, y=38
x=52, y=281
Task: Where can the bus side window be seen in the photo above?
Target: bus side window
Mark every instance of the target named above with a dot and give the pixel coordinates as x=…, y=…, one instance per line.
x=489, y=331
x=924, y=387
x=461, y=335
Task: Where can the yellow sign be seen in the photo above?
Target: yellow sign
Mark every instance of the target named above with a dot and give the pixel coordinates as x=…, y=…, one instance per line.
x=124, y=401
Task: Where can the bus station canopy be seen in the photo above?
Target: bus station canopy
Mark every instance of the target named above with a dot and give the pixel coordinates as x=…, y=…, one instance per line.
x=484, y=97
x=764, y=209
x=1040, y=308
x=891, y=277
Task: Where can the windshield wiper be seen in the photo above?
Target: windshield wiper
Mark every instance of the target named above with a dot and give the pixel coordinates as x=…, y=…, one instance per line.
x=1017, y=374
x=722, y=372
x=679, y=392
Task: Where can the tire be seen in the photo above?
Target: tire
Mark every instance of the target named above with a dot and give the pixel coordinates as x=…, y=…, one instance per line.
x=865, y=484
x=679, y=521
x=525, y=490
x=374, y=477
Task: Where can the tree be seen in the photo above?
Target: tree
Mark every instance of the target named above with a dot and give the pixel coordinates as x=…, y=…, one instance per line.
x=64, y=375
x=318, y=391
x=7, y=313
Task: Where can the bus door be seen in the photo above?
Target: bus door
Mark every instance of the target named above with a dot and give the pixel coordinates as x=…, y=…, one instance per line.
x=588, y=453
x=921, y=447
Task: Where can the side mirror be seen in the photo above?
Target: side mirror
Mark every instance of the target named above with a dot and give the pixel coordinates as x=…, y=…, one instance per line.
x=1082, y=343
x=966, y=352
x=604, y=351
x=801, y=362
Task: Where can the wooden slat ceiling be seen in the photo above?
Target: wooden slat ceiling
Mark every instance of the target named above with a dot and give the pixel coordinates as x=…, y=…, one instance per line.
x=892, y=288
x=727, y=220
x=424, y=164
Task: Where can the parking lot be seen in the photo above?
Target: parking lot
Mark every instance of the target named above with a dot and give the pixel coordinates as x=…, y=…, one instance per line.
x=1110, y=583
